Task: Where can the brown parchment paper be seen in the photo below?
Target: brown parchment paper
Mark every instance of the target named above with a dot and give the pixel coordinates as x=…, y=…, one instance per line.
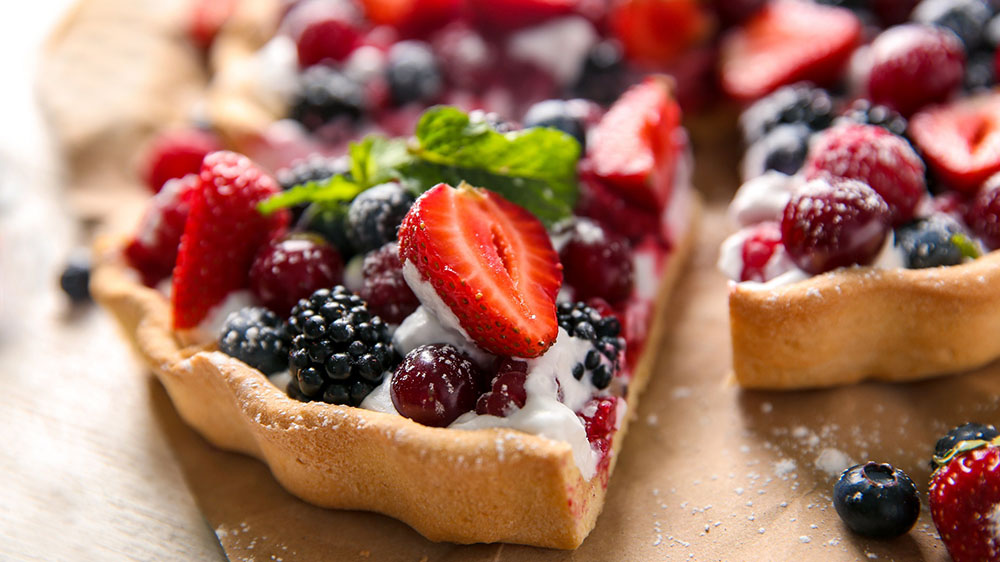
x=708, y=472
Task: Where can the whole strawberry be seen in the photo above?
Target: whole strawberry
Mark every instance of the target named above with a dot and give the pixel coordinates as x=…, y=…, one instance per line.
x=965, y=500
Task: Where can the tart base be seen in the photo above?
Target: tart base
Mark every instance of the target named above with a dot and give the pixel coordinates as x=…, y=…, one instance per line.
x=449, y=485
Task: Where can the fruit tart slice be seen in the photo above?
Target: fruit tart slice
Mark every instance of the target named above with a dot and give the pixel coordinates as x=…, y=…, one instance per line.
x=465, y=359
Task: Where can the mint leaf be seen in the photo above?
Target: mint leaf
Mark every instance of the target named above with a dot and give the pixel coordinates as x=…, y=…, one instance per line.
x=336, y=188
x=375, y=159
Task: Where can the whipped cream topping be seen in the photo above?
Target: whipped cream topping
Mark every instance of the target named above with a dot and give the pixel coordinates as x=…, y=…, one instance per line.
x=210, y=327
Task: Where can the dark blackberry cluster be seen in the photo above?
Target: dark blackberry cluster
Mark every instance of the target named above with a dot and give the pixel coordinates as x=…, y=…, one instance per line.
x=413, y=72
x=326, y=95
x=864, y=112
x=798, y=103
x=603, y=76
x=314, y=168
x=375, y=215
x=339, y=351
x=256, y=336
x=585, y=322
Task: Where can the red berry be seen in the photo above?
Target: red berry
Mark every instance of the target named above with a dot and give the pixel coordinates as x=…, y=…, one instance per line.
x=411, y=17
x=983, y=215
x=434, y=385
x=292, y=268
x=787, y=42
x=615, y=213
x=153, y=250
x=828, y=226
x=223, y=232
x=175, y=154
x=505, y=15
x=657, y=32
x=206, y=19
x=597, y=262
x=507, y=392
x=599, y=418
x=913, y=66
x=961, y=140
x=492, y=264
x=384, y=288
x=964, y=499
x=872, y=155
x=330, y=39
x=758, y=249
x=635, y=147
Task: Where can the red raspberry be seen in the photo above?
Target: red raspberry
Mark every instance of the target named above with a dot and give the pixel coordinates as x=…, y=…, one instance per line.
x=597, y=262
x=153, y=250
x=873, y=155
x=175, y=154
x=758, y=249
x=292, y=268
x=913, y=66
x=828, y=226
x=507, y=394
x=384, y=288
x=600, y=419
x=983, y=215
x=607, y=207
x=328, y=39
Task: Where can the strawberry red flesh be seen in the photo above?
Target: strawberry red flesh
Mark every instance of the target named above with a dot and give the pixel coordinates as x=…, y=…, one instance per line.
x=657, y=32
x=491, y=262
x=153, y=250
x=786, y=42
x=964, y=498
x=175, y=154
x=961, y=141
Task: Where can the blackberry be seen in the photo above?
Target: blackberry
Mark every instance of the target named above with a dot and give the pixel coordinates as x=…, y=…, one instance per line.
x=603, y=77
x=556, y=114
x=798, y=103
x=255, y=336
x=585, y=322
x=413, y=73
x=75, y=278
x=339, y=351
x=314, y=168
x=865, y=112
x=966, y=18
x=326, y=95
x=375, y=215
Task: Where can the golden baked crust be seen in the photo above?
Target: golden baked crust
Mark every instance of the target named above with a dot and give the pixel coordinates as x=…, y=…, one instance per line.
x=491, y=485
x=862, y=323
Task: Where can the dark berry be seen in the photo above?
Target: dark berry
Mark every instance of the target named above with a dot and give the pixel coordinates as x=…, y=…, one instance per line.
x=75, y=278
x=983, y=216
x=968, y=431
x=597, y=262
x=980, y=71
x=603, y=361
x=326, y=95
x=758, y=249
x=413, y=73
x=315, y=167
x=339, y=351
x=966, y=18
x=603, y=77
x=255, y=336
x=876, y=500
x=434, y=385
x=293, y=267
x=864, y=112
x=733, y=12
x=931, y=242
x=784, y=148
x=326, y=40
x=796, y=104
x=329, y=220
x=507, y=393
x=556, y=114
x=384, y=288
x=826, y=226
x=375, y=215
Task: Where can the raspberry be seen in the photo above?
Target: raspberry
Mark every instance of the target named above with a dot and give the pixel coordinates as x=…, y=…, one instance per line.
x=384, y=288
x=434, y=385
x=175, y=154
x=330, y=39
x=758, y=249
x=597, y=262
x=913, y=66
x=153, y=250
x=255, y=336
x=604, y=205
x=292, y=268
x=600, y=419
x=983, y=215
x=864, y=112
x=828, y=226
x=873, y=155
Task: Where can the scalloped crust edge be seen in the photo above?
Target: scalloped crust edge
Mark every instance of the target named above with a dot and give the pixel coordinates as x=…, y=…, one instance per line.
x=449, y=485
x=861, y=323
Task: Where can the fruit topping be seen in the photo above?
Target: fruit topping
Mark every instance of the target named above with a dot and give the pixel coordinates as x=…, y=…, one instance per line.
x=504, y=15
x=557, y=114
x=328, y=39
x=596, y=262
x=600, y=419
x=339, y=352
x=798, y=104
x=965, y=18
x=964, y=494
x=786, y=42
x=913, y=66
x=413, y=73
x=936, y=241
x=326, y=95
x=782, y=149
x=961, y=141
x=375, y=215
x=636, y=145
x=758, y=249
x=490, y=262
x=153, y=250
x=873, y=155
x=314, y=168
x=75, y=278
x=969, y=431
x=292, y=268
x=585, y=322
x=223, y=232
x=865, y=112
x=613, y=212
x=657, y=32
x=603, y=76
x=876, y=500
x=175, y=154
x=410, y=17
x=826, y=226
x=255, y=336
x=384, y=288
x=983, y=215
x=507, y=392
x=434, y=385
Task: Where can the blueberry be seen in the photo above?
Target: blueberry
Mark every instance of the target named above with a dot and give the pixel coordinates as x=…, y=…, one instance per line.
x=966, y=18
x=864, y=112
x=326, y=95
x=556, y=114
x=75, y=279
x=796, y=104
x=965, y=432
x=876, y=500
x=603, y=76
x=931, y=242
x=413, y=72
x=980, y=71
x=785, y=148
x=375, y=215
x=256, y=336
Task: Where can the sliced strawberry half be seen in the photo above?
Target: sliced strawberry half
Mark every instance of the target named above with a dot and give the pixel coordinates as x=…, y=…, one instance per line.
x=491, y=262
x=636, y=145
x=411, y=17
x=223, y=232
x=961, y=141
x=785, y=42
x=153, y=250
x=656, y=32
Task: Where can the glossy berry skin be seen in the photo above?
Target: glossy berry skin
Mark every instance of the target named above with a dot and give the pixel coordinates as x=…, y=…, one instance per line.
x=313, y=168
x=556, y=114
x=876, y=500
x=329, y=39
x=602, y=363
x=983, y=216
x=256, y=336
x=614, y=212
x=865, y=112
x=597, y=262
x=758, y=249
x=603, y=77
x=913, y=66
x=873, y=155
x=292, y=268
x=175, y=154
x=966, y=432
x=600, y=420
x=798, y=104
x=153, y=250
x=384, y=288
x=375, y=215
x=434, y=385
x=963, y=498
x=930, y=243
x=75, y=279
x=506, y=393
x=413, y=73
x=326, y=95
x=828, y=226
x=965, y=18
x=784, y=148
